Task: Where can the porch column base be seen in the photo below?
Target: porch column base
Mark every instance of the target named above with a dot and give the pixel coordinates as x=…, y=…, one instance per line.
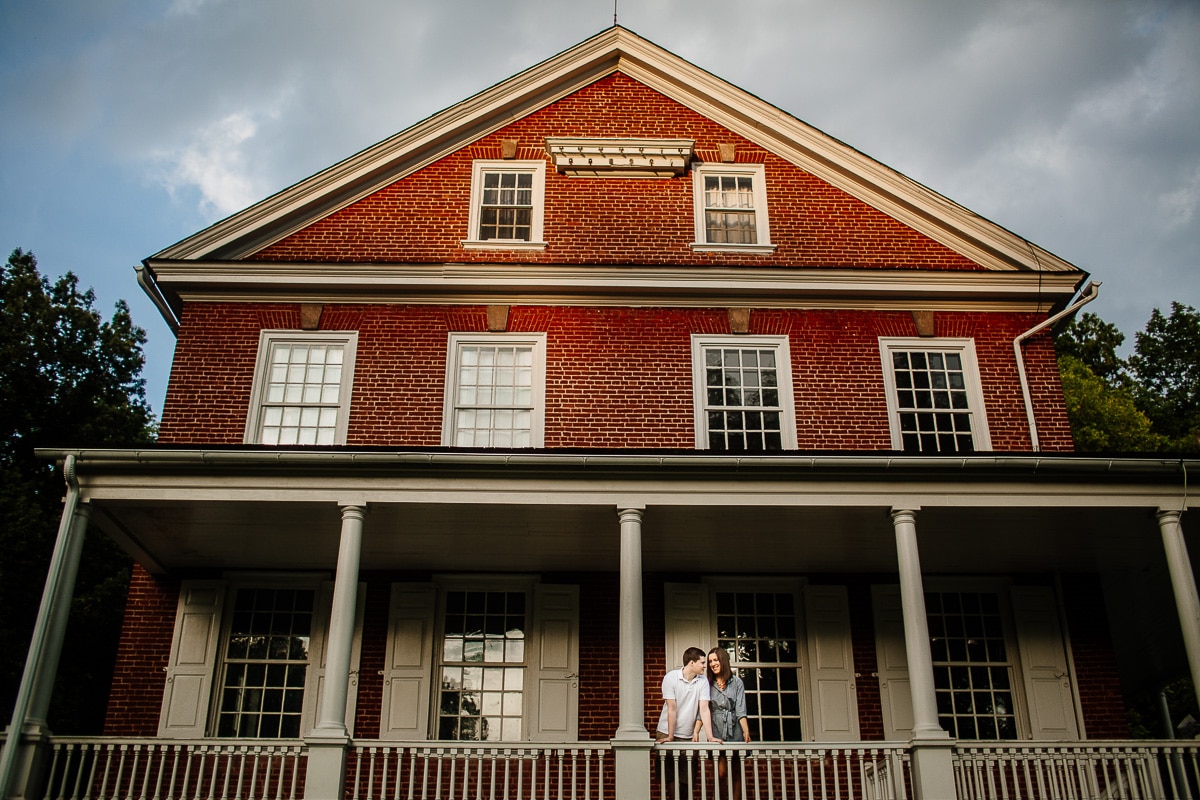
x=31, y=764
x=631, y=760
x=933, y=768
x=325, y=775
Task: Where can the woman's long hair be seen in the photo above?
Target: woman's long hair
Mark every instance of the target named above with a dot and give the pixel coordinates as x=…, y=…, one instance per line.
x=726, y=672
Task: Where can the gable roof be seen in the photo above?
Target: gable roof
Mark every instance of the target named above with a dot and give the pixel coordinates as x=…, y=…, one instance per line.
x=617, y=50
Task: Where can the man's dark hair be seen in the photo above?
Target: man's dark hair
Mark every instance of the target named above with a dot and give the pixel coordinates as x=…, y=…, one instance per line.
x=692, y=654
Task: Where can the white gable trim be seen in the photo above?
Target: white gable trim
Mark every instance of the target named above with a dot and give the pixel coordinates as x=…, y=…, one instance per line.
x=613, y=50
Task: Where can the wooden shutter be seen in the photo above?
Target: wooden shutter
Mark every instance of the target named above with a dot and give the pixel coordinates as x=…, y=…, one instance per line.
x=408, y=666
x=831, y=664
x=1044, y=664
x=314, y=679
x=553, y=679
x=895, y=694
x=687, y=621
x=193, y=660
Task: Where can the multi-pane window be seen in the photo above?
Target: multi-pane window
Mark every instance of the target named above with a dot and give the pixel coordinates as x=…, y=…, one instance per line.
x=265, y=664
x=507, y=204
x=482, y=666
x=972, y=670
x=758, y=629
x=731, y=207
x=507, y=207
x=302, y=390
x=933, y=397
x=743, y=395
x=495, y=392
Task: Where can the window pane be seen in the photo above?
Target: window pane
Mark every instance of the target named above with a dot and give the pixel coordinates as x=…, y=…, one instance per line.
x=941, y=383
x=754, y=628
x=494, y=396
x=971, y=668
x=751, y=421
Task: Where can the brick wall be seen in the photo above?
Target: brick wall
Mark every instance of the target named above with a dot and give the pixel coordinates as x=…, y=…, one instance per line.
x=138, y=682
x=1100, y=697
x=423, y=217
x=615, y=377
x=139, y=675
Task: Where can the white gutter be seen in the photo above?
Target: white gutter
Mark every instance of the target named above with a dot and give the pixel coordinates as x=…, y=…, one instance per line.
x=33, y=660
x=145, y=279
x=1089, y=293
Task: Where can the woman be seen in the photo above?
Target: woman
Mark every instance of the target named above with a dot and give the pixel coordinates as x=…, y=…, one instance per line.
x=728, y=706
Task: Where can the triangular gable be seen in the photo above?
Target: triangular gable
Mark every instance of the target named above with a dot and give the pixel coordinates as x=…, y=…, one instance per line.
x=617, y=50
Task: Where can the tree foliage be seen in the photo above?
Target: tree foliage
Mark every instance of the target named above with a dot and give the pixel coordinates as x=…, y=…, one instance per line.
x=1149, y=402
x=71, y=379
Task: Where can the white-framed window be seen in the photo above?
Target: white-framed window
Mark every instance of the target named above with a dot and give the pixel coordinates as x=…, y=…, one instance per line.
x=934, y=398
x=482, y=658
x=730, y=202
x=742, y=388
x=247, y=657
x=495, y=390
x=507, y=204
x=302, y=387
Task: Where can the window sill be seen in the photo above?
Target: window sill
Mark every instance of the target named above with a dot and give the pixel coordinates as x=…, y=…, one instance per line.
x=501, y=244
x=753, y=249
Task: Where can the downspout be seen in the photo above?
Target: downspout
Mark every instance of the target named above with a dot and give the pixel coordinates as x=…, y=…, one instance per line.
x=145, y=279
x=12, y=742
x=1089, y=293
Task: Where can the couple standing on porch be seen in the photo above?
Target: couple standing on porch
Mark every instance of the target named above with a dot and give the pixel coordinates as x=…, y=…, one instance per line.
x=716, y=704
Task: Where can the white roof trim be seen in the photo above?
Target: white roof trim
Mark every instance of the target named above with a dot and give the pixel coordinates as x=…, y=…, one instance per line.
x=609, y=285
x=618, y=49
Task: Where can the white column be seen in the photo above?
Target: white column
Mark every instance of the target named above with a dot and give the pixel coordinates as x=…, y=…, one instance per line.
x=60, y=613
x=1184, y=583
x=932, y=763
x=632, y=703
x=329, y=738
x=631, y=745
x=331, y=715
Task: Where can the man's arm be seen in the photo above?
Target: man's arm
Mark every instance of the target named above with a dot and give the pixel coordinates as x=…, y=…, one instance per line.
x=706, y=720
x=670, y=718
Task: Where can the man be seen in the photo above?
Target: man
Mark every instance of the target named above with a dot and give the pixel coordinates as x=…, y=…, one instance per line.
x=685, y=700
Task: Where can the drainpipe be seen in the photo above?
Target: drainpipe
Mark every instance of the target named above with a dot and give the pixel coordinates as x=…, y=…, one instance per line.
x=1089, y=293
x=145, y=279
x=33, y=660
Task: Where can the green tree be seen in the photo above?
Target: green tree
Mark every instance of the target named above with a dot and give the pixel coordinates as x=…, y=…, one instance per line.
x=70, y=379
x=1094, y=342
x=1104, y=419
x=1166, y=368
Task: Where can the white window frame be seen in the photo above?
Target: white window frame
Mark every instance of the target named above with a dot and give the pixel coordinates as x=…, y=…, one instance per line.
x=762, y=224
x=472, y=583
x=783, y=361
x=537, y=169
x=262, y=373
x=965, y=348
x=536, y=341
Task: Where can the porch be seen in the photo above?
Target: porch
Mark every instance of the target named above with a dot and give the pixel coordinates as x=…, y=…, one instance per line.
x=106, y=768
x=624, y=523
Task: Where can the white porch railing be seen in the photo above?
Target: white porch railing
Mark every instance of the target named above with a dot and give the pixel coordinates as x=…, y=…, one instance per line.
x=105, y=768
x=413, y=770
x=1095, y=770
x=852, y=771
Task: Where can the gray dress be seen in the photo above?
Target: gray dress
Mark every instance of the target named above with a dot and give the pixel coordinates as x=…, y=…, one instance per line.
x=727, y=706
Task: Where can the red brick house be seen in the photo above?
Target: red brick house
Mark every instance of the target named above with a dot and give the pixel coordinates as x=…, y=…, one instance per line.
x=470, y=435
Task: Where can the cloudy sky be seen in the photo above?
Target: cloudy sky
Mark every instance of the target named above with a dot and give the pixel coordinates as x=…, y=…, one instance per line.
x=130, y=124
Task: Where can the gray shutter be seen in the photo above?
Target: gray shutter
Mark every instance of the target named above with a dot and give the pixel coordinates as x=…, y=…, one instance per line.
x=687, y=621
x=895, y=694
x=831, y=664
x=553, y=680
x=1044, y=664
x=314, y=679
x=193, y=660
x=408, y=667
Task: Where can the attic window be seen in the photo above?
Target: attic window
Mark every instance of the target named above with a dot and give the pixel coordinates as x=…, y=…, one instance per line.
x=731, y=208
x=620, y=158
x=507, y=205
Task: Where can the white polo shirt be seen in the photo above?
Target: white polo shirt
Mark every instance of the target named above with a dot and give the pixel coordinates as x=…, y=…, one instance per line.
x=687, y=696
